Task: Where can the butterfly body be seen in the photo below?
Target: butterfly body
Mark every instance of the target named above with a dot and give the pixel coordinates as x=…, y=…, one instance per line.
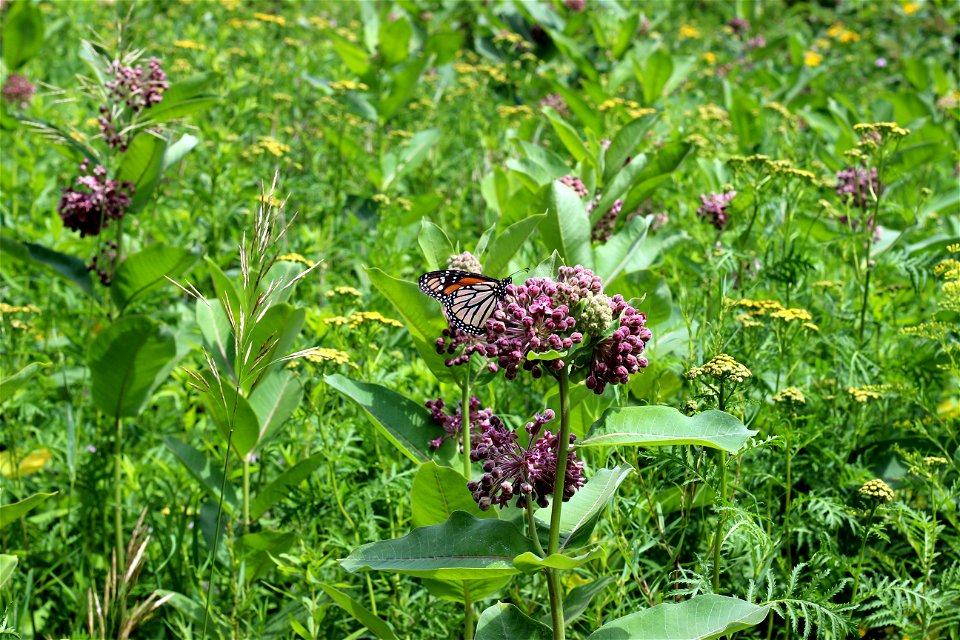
x=468, y=298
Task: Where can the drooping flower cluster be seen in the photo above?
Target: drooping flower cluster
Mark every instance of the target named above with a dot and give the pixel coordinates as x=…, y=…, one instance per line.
x=859, y=186
x=738, y=25
x=465, y=261
x=576, y=184
x=618, y=357
x=480, y=420
x=606, y=224
x=713, y=208
x=527, y=474
x=531, y=320
x=102, y=263
x=95, y=202
x=18, y=91
x=556, y=102
x=137, y=88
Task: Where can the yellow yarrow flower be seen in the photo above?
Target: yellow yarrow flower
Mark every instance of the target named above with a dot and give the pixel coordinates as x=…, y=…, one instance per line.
x=321, y=355
x=689, y=31
x=869, y=392
x=910, y=8
x=721, y=367
x=343, y=291
x=877, y=491
x=268, y=17
x=189, y=44
x=361, y=317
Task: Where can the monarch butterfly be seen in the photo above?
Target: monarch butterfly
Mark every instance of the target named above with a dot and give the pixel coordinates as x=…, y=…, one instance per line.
x=468, y=298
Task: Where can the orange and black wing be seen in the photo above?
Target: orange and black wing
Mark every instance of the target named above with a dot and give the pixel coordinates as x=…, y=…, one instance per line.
x=468, y=298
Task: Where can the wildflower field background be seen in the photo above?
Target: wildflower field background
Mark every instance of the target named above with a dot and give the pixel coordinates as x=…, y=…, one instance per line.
x=719, y=395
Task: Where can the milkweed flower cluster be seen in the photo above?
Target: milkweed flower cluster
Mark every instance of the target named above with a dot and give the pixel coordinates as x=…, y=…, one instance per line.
x=96, y=200
x=608, y=222
x=18, y=91
x=525, y=473
x=556, y=102
x=480, y=420
x=576, y=184
x=543, y=315
x=859, y=186
x=135, y=87
x=465, y=261
x=713, y=208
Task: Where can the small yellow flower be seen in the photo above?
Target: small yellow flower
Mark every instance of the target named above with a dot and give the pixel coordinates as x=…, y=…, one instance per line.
x=30, y=463
x=910, y=8
x=869, y=392
x=360, y=317
x=7, y=308
x=268, y=17
x=710, y=58
x=337, y=321
x=381, y=198
x=295, y=257
x=812, y=58
x=689, y=31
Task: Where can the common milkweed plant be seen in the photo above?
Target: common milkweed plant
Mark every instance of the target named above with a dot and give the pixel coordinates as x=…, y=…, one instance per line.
x=496, y=499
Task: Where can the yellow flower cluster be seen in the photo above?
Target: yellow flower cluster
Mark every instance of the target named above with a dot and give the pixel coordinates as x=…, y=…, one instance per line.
x=632, y=108
x=933, y=330
x=839, y=32
x=949, y=270
x=779, y=108
x=785, y=168
x=512, y=38
x=877, y=490
x=347, y=85
x=910, y=8
x=494, y=73
x=282, y=97
x=269, y=17
x=710, y=58
x=789, y=315
x=266, y=144
x=869, y=392
x=320, y=23
x=343, y=291
x=327, y=355
x=931, y=461
x=711, y=112
x=360, y=317
x=826, y=284
x=790, y=395
x=721, y=367
x=400, y=133
x=771, y=309
x=520, y=110
x=887, y=130
x=689, y=31
x=189, y=44
x=295, y=257
x=9, y=308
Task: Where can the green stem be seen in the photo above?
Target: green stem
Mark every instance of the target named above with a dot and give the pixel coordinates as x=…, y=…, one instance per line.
x=465, y=422
x=467, y=612
x=553, y=546
x=786, y=516
x=118, y=492
x=863, y=547
x=532, y=527
x=246, y=494
x=718, y=537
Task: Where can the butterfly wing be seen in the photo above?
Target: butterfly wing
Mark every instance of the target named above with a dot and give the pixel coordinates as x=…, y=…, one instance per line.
x=468, y=298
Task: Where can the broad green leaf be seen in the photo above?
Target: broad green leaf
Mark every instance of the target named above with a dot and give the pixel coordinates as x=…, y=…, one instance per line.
x=10, y=384
x=461, y=548
x=406, y=424
x=585, y=112
x=279, y=487
x=439, y=491
x=435, y=245
x=567, y=227
x=354, y=57
x=567, y=134
x=628, y=250
x=658, y=426
x=551, y=163
x=12, y=512
x=217, y=334
x=274, y=400
x=127, y=361
x=444, y=45
x=453, y=590
x=414, y=152
x=376, y=625
x=207, y=472
x=71, y=268
x=656, y=72
x=505, y=622
x=657, y=172
x=225, y=289
x=142, y=164
x=257, y=549
x=395, y=40
x=498, y=256
x=236, y=420
x=529, y=562
x=22, y=33
x=702, y=617
x=145, y=270
x=178, y=150
x=402, y=85
x=581, y=512
x=622, y=181
x=184, y=98
x=8, y=565
x=626, y=144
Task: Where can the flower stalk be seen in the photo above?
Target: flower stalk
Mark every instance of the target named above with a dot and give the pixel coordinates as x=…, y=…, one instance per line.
x=553, y=545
